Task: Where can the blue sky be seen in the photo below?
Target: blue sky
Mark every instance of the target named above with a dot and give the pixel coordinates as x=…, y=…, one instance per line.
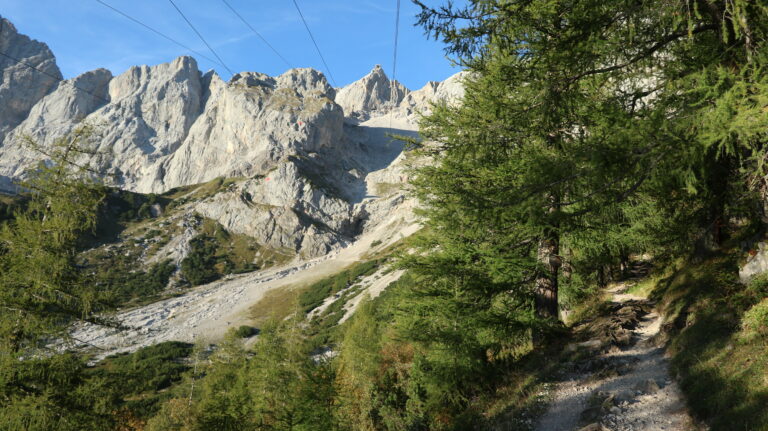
x=354, y=35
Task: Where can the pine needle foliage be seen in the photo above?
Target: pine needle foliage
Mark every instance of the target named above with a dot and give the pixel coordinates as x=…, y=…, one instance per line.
x=41, y=285
x=42, y=291
x=586, y=123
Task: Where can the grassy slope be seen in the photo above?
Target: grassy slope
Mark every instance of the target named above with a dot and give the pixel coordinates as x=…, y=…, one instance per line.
x=277, y=304
x=718, y=338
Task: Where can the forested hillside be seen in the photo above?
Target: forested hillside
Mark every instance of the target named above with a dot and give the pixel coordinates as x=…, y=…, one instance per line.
x=601, y=148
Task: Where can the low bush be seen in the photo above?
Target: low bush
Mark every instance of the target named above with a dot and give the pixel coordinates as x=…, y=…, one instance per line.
x=199, y=267
x=141, y=377
x=245, y=331
x=124, y=287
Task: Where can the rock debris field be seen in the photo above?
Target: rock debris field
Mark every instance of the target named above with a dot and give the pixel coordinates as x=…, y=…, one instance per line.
x=625, y=385
x=205, y=313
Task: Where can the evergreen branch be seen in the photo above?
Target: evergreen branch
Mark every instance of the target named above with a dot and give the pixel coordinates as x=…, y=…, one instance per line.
x=645, y=54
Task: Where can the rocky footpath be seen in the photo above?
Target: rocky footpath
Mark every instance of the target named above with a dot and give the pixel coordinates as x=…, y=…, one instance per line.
x=619, y=379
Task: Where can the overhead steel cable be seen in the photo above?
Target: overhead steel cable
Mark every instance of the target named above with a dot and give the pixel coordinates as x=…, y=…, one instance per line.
x=50, y=75
x=298, y=9
x=397, y=34
x=159, y=33
x=201, y=37
x=392, y=86
x=68, y=81
x=257, y=34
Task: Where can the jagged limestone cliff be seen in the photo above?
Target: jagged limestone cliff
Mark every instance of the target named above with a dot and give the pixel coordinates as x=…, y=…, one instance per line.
x=314, y=166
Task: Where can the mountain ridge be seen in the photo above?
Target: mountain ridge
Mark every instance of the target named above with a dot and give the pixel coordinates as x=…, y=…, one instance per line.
x=317, y=163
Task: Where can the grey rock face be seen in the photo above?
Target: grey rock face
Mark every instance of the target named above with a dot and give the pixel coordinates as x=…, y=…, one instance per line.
x=21, y=87
x=168, y=125
x=59, y=111
x=253, y=122
x=451, y=90
x=284, y=210
x=151, y=113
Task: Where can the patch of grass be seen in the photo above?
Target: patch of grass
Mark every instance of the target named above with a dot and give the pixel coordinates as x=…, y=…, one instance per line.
x=520, y=397
x=323, y=328
x=279, y=303
x=592, y=305
x=717, y=348
x=276, y=304
x=755, y=322
x=215, y=252
x=386, y=189
x=182, y=195
x=644, y=288
x=284, y=99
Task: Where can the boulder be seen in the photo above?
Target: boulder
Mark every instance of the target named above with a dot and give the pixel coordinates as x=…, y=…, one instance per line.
x=647, y=387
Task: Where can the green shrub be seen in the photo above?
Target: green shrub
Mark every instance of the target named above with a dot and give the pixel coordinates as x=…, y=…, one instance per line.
x=145, y=211
x=199, y=267
x=140, y=377
x=245, y=331
x=123, y=286
x=759, y=285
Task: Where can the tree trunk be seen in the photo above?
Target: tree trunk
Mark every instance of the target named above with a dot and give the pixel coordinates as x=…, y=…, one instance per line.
x=567, y=268
x=604, y=276
x=546, y=280
x=17, y=334
x=624, y=266
x=546, y=284
x=712, y=235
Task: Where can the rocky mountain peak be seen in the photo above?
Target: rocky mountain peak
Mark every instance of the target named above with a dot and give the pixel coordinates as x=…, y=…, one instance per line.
x=307, y=82
x=372, y=92
x=21, y=87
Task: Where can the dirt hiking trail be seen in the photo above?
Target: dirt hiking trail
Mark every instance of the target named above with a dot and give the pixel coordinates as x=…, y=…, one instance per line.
x=619, y=379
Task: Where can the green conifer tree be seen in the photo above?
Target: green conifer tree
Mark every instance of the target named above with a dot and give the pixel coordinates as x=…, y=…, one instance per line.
x=43, y=291
x=576, y=112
